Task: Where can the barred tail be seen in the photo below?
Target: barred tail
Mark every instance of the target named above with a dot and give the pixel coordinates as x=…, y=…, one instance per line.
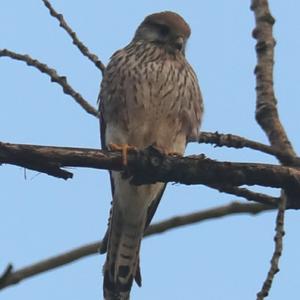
x=122, y=260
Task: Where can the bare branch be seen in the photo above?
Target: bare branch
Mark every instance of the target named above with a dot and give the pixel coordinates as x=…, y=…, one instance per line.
x=83, y=49
x=235, y=141
x=149, y=166
x=247, y=194
x=264, y=292
x=266, y=104
x=6, y=273
x=217, y=212
x=52, y=73
x=268, y=118
x=93, y=248
x=48, y=264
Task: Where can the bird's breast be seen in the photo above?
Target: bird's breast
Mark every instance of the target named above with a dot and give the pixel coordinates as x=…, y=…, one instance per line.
x=146, y=96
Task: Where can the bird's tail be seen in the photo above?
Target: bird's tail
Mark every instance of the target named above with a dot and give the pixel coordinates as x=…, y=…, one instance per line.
x=122, y=260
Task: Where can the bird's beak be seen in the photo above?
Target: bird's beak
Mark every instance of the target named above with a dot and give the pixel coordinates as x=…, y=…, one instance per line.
x=179, y=42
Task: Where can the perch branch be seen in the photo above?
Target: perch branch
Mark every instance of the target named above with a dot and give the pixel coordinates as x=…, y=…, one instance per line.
x=149, y=166
x=14, y=277
x=61, y=80
x=83, y=49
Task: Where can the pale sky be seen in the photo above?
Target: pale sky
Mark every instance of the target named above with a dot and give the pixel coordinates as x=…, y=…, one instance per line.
x=41, y=216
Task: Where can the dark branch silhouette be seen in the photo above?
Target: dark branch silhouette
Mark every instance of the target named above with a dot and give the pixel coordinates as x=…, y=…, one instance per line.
x=83, y=49
x=274, y=267
x=52, y=73
x=150, y=166
x=268, y=118
x=247, y=194
x=235, y=141
x=13, y=277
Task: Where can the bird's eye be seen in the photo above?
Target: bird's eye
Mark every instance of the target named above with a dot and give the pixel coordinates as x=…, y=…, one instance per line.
x=164, y=30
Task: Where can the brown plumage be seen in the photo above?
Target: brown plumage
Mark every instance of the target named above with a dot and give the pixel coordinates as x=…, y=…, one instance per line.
x=149, y=96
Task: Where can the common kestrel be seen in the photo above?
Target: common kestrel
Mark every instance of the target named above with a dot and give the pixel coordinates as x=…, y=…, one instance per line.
x=149, y=96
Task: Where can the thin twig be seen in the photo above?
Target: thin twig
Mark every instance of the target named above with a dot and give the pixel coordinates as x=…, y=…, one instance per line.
x=247, y=194
x=93, y=248
x=6, y=273
x=212, y=213
x=235, y=141
x=83, y=49
x=52, y=73
x=274, y=268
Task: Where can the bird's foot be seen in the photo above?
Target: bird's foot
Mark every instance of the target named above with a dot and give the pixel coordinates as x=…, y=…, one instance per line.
x=124, y=148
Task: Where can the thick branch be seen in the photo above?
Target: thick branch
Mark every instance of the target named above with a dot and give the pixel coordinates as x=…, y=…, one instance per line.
x=149, y=166
x=83, y=49
x=14, y=277
x=268, y=118
x=266, y=104
x=61, y=80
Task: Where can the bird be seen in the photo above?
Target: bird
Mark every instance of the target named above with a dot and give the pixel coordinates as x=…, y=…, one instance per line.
x=149, y=96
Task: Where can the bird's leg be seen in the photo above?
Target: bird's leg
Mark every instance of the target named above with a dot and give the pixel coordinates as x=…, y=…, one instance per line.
x=124, y=148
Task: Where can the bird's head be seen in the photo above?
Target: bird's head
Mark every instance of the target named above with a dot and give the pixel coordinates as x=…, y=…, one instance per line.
x=166, y=29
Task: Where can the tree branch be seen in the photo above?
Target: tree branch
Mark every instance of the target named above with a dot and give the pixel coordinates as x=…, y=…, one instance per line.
x=14, y=277
x=52, y=73
x=6, y=273
x=247, y=194
x=83, y=49
x=268, y=118
x=264, y=292
x=266, y=104
x=235, y=141
x=149, y=166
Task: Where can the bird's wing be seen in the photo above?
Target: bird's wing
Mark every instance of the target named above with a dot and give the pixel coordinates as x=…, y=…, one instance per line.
x=153, y=207
x=104, y=242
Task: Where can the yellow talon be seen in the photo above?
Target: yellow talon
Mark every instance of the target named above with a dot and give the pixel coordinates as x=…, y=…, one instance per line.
x=124, y=148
